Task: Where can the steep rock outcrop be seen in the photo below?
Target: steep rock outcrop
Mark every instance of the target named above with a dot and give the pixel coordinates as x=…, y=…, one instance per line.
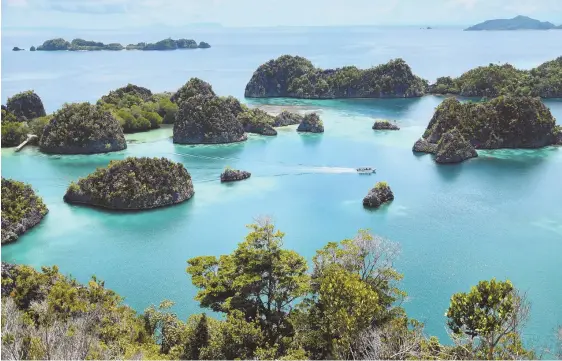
x=82, y=128
x=233, y=175
x=287, y=118
x=385, y=125
x=133, y=184
x=311, y=123
x=193, y=87
x=296, y=77
x=207, y=120
x=257, y=121
x=453, y=148
x=378, y=195
x=22, y=209
x=26, y=105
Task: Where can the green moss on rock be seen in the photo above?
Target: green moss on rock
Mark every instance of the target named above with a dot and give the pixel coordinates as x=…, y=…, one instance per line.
x=133, y=184
x=22, y=209
x=296, y=77
x=82, y=128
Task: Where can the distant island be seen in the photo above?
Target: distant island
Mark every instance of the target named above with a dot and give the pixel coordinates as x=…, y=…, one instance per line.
x=517, y=23
x=296, y=77
x=60, y=44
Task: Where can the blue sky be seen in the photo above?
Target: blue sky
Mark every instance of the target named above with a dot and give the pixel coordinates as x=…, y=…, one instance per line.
x=112, y=14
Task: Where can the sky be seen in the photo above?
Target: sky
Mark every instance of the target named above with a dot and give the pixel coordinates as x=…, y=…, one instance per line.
x=121, y=14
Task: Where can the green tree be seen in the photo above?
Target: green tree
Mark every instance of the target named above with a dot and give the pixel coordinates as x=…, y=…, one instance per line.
x=259, y=279
x=490, y=316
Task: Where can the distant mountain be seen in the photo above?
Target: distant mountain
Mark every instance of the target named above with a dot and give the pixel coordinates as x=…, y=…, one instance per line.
x=517, y=23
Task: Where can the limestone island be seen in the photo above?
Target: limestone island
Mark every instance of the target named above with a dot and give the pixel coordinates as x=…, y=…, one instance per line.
x=380, y=194
x=22, y=209
x=193, y=87
x=59, y=44
x=517, y=23
x=137, y=109
x=133, y=184
x=287, y=118
x=385, y=125
x=494, y=80
x=457, y=129
x=233, y=175
x=257, y=121
x=82, y=128
x=296, y=77
x=17, y=49
x=311, y=123
x=26, y=105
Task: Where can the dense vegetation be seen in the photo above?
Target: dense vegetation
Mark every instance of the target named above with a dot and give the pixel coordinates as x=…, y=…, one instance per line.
x=137, y=109
x=81, y=44
x=21, y=209
x=296, y=77
x=257, y=121
x=204, y=119
x=272, y=306
x=517, y=23
x=194, y=86
x=385, y=125
x=26, y=105
x=495, y=80
x=287, y=118
x=133, y=183
x=13, y=131
x=82, y=128
x=454, y=148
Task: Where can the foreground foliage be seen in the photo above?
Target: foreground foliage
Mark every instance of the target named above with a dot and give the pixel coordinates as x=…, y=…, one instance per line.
x=348, y=306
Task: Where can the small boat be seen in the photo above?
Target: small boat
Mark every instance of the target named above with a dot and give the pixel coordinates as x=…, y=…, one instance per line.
x=366, y=170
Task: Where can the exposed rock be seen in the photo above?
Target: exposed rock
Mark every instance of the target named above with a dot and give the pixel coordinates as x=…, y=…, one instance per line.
x=232, y=175
x=453, y=148
x=207, y=120
x=287, y=118
x=423, y=146
x=380, y=194
x=311, y=123
x=26, y=105
x=296, y=77
x=257, y=121
x=133, y=184
x=21, y=209
x=8, y=278
x=193, y=87
x=234, y=105
x=503, y=122
x=82, y=128
x=385, y=125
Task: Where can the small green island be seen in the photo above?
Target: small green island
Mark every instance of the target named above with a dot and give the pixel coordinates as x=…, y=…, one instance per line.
x=133, y=184
x=286, y=118
x=311, y=123
x=22, y=209
x=296, y=77
x=60, y=44
x=457, y=129
x=519, y=22
x=234, y=175
x=24, y=114
x=494, y=80
x=384, y=124
x=82, y=128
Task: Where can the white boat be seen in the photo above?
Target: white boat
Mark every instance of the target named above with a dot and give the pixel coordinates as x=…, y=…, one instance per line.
x=366, y=170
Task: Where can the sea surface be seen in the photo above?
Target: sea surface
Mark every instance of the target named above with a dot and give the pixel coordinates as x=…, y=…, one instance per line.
x=499, y=215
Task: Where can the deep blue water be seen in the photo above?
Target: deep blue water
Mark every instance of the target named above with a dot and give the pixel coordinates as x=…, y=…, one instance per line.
x=499, y=215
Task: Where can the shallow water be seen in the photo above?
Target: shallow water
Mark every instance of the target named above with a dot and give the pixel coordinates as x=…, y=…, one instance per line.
x=498, y=215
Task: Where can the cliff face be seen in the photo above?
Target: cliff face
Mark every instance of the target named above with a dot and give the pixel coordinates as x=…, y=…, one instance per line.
x=287, y=118
x=257, y=121
x=207, y=120
x=503, y=122
x=21, y=209
x=380, y=194
x=453, y=148
x=82, y=128
x=296, y=77
x=133, y=184
x=311, y=123
x=233, y=175
x=26, y=106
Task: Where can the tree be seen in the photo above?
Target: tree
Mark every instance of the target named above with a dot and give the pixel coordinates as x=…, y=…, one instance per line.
x=259, y=279
x=199, y=339
x=491, y=316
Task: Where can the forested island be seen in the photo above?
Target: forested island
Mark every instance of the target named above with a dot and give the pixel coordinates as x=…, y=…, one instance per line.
x=349, y=301
x=296, y=77
x=493, y=80
x=59, y=44
x=22, y=209
x=457, y=129
x=133, y=184
x=517, y=23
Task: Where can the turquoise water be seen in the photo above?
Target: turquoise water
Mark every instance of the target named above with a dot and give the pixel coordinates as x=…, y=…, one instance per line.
x=498, y=215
